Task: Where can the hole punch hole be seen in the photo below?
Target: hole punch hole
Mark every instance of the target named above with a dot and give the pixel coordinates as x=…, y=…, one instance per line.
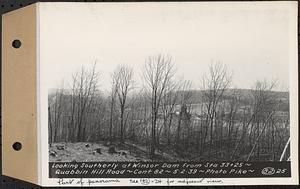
x=16, y=43
x=17, y=146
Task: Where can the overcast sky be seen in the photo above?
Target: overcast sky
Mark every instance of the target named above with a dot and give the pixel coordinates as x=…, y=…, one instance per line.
x=252, y=39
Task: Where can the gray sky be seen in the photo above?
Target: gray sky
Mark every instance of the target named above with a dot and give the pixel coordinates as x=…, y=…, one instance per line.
x=252, y=39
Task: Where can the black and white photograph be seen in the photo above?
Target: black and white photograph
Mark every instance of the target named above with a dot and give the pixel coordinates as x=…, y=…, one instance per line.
x=168, y=83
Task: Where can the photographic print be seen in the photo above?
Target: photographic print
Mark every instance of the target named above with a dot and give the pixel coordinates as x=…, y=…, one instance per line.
x=169, y=85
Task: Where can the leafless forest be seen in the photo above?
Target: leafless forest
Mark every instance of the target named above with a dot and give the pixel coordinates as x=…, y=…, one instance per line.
x=167, y=118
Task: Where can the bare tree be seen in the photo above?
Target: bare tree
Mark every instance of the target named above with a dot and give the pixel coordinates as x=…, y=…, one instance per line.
x=55, y=110
x=233, y=106
x=169, y=101
x=214, y=86
x=184, y=115
x=263, y=111
x=158, y=74
x=73, y=100
x=123, y=77
x=115, y=82
x=85, y=88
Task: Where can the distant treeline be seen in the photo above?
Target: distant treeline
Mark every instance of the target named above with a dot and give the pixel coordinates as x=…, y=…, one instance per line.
x=215, y=122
